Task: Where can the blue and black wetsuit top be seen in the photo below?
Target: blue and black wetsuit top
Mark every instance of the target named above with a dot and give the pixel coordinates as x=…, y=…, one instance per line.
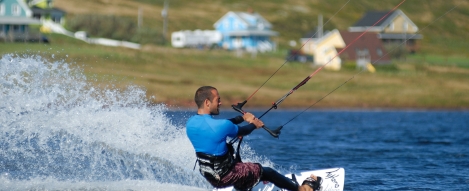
x=208, y=135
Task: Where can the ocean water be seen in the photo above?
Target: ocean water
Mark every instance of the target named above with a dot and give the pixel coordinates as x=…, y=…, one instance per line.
x=58, y=132
x=379, y=150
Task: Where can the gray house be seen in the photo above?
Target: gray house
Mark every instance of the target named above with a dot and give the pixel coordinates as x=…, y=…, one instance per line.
x=15, y=19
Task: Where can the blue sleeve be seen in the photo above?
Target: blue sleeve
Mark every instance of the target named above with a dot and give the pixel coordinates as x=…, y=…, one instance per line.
x=246, y=130
x=230, y=129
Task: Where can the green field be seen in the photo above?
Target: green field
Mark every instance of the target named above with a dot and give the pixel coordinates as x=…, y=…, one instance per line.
x=172, y=76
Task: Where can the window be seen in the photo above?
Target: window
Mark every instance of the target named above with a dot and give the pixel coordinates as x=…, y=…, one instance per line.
x=238, y=25
x=56, y=19
x=366, y=51
x=362, y=52
x=379, y=52
x=406, y=26
x=260, y=26
x=2, y=9
x=16, y=28
x=15, y=9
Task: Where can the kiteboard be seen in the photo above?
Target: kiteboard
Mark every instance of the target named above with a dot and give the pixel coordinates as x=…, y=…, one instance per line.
x=332, y=180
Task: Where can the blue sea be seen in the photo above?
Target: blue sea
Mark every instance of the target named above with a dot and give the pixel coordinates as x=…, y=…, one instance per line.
x=60, y=132
x=379, y=149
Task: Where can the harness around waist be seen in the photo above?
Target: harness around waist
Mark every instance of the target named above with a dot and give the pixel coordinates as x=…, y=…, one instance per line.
x=215, y=166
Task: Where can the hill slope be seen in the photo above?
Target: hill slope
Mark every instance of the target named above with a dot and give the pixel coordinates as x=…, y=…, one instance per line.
x=432, y=79
x=443, y=33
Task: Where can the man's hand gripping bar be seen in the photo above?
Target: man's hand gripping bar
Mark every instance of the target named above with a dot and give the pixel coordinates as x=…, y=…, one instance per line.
x=275, y=133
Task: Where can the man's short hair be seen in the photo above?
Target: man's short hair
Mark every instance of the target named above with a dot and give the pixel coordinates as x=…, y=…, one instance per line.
x=203, y=93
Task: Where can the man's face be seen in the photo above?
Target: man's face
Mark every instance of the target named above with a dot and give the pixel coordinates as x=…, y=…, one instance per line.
x=215, y=103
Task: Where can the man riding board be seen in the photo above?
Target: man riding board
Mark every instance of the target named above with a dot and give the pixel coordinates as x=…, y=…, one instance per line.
x=216, y=162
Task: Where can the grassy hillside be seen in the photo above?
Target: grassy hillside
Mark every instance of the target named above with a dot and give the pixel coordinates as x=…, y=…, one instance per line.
x=172, y=75
x=293, y=18
x=435, y=78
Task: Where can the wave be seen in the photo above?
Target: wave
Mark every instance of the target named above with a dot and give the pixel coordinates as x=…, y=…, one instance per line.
x=54, y=125
x=59, y=132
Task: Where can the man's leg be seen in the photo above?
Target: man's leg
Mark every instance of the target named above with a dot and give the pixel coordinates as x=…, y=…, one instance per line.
x=269, y=174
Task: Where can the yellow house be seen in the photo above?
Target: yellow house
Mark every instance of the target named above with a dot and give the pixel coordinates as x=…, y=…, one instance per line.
x=324, y=49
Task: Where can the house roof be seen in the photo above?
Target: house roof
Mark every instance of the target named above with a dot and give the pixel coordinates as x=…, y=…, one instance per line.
x=327, y=35
x=252, y=32
x=368, y=42
x=250, y=19
x=373, y=18
x=53, y=11
x=399, y=36
x=246, y=17
x=314, y=33
x=18, y=20
x=25, y=8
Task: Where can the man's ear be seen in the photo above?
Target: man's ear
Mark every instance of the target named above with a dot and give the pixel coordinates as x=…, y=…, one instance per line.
x=207, y=102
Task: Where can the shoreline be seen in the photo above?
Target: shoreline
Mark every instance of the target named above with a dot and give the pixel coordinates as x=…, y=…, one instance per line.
x=330, y=109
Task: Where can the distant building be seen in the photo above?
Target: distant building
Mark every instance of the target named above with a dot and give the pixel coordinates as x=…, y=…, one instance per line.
x=40, y=3
x=195, y=39
x=15, y=18
x=44, y=10
x=361, y=48
x=395, y=28
x=366, y=49
x=245, y=30
x=324, y=49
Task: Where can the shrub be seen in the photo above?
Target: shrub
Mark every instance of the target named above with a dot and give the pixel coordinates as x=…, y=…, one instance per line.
x=396, y=50
x=146, y=35
x=114, y=27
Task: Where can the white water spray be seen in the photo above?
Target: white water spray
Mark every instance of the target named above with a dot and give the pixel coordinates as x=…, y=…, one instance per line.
x=55, y=128
x=58, y=132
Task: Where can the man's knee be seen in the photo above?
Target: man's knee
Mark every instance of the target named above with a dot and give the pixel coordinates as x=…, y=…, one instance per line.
x=305, y=188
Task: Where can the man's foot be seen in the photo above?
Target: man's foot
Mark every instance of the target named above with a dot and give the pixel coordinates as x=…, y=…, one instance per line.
x=313, y=181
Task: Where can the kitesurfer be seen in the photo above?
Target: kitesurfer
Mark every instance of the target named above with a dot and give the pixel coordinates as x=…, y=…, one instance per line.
x=215, y=156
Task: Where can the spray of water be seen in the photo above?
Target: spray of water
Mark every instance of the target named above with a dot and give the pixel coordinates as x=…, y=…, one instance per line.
x=58, y=132
x=55, y=128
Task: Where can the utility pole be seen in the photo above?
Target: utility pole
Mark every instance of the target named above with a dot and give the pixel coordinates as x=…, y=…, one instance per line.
x=164, y=13
x=320, y=26
x=140, y=14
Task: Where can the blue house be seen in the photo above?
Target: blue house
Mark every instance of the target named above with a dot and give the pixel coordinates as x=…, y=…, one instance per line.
x=15, y=18
x=245, y=30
